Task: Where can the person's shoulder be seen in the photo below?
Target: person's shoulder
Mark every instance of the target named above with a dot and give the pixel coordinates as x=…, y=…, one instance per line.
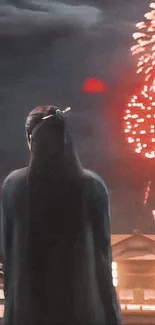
x=15, y=177
x=96, y=181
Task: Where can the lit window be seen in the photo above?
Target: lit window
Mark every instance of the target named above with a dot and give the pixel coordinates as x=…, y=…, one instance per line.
x=1, y=294
x=115, y=274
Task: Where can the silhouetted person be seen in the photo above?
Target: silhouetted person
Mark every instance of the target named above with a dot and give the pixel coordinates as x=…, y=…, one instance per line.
x=56, y=234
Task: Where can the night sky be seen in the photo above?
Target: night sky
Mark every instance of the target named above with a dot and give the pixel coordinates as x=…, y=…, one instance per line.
x=47, y=50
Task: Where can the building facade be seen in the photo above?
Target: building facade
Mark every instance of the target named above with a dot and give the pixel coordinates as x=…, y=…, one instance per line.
x=134, y=272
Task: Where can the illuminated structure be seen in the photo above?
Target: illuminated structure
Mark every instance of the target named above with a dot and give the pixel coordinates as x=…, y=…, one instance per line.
x=139, y=118
x=133, y=272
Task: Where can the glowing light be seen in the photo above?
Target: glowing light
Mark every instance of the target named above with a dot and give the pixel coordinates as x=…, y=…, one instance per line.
x=115, y=282
x=145, y=47
x=153, y=214
x=148, y=307
x=130, y=140
x=147, y=192
x=115, y=274
x=138, y=150
x=114, y=265
x=94, y=85
x=150, y=155
x=139, y=124
x=133, y=307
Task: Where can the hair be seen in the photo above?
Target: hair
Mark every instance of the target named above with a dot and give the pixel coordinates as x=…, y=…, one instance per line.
x=55, y=179
x=51, y=140
x=36, y=116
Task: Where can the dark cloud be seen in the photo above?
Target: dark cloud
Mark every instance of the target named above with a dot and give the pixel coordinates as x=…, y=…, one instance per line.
x=39, y=59
x=26, y=17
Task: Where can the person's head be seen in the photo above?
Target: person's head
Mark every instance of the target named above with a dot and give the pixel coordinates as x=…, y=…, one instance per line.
x=49, y=140
x=38, y=118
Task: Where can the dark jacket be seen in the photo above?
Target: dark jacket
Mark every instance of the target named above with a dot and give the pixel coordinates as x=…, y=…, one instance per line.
x=74, y=284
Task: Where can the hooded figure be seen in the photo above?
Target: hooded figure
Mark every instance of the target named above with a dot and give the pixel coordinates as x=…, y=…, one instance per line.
x=56, y=234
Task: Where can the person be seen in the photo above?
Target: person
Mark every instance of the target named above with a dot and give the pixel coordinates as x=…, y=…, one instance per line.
x=55, y=227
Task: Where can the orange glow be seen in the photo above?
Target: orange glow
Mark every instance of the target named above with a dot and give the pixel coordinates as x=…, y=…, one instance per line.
x=139, y=116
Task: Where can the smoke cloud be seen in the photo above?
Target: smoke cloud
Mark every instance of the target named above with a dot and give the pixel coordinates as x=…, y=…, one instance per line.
x=19, y=18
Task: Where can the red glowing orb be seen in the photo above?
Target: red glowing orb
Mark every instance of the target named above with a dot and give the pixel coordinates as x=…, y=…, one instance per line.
x=94, y=85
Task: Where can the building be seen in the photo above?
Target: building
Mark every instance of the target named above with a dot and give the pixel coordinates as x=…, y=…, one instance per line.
x=134, y=272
